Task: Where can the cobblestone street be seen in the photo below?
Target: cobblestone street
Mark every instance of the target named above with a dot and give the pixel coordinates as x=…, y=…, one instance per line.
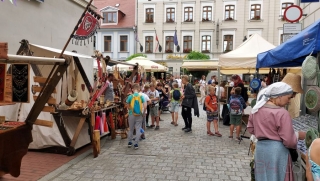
x=167, y=154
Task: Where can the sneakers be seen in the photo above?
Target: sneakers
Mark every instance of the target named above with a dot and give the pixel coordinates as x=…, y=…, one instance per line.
x=151, y=126
x=147, y=125
x=136, y=146
x=188, y=130
x=129, y=144
x=157, y=128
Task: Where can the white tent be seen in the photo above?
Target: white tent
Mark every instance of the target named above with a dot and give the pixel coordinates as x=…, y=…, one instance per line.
x=244, y=57
x=147, y=64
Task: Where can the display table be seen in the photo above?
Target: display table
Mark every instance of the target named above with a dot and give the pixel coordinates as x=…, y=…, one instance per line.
x=14, y=144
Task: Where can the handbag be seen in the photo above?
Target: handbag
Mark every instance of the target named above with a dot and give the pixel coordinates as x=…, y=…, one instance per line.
x=294, y=154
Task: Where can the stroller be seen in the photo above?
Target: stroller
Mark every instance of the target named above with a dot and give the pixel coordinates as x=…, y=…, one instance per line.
x=165, y=103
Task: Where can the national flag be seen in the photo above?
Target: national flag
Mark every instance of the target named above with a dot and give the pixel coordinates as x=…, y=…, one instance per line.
x=137, y=39
x=155, y=50
x=157, y=38
x=175, y=38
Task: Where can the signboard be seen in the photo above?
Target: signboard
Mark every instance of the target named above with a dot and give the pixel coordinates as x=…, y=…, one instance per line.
x=309, y=1
x=287, y=37
x=292, y=28
x=292, y=13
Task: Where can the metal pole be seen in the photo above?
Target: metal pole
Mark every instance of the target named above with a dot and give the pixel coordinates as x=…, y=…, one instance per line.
x=74, y=30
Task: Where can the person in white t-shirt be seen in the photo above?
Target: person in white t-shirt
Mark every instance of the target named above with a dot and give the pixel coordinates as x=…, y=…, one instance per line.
x=154, y=107
x=202, y=84
x=179, y=81
x=145, y=104
x=220, y=90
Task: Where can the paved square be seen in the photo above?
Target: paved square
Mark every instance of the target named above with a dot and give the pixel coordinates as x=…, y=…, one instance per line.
x=167, y=154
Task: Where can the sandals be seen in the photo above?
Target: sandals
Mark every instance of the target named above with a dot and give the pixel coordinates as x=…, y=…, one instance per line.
x=218, y=134
x=176, y=124
x=210, y=133
x=231, y=137
x=172, y=122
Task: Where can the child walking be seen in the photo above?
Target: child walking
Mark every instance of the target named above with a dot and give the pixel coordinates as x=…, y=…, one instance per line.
x=136, y=111
x=236, y=107
x=211, y=104
x=174, y=98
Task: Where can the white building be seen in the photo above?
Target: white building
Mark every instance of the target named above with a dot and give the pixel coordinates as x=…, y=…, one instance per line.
x=116, y=38
x=212, y=27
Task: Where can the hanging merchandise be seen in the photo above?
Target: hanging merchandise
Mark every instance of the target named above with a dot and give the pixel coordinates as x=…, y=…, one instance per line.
x=86, y=28
x=105, y=126
x=310, y=68
x=97, y=123
x=311, y=99
x=111, y=121
x=255, y=83
x=311, y=135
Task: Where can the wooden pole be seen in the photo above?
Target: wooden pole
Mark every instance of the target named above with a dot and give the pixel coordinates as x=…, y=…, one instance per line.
x=75, y=28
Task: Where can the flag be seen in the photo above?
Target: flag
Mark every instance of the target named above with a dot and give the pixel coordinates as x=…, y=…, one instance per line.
x=155, y=50
x=86, y=27
x=137, y=39
x=158, y=47
x=175, y=38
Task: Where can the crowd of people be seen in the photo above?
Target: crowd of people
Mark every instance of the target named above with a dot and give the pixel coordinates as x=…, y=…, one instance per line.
x=269, y=121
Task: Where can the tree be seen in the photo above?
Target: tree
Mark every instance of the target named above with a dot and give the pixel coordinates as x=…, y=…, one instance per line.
x=195, y=55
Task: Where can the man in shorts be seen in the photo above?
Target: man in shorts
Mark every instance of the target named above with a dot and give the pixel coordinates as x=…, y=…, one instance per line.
x=175, y=104
x=154, y=106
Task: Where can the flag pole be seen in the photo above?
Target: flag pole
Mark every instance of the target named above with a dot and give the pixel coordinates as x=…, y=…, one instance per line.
x=75, y=29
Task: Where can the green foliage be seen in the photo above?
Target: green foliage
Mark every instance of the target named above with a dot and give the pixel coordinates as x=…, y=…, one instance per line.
x=136, y=55
x=196, y=74
x=195, y=55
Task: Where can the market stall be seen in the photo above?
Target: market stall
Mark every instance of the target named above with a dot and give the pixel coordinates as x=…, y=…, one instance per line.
x=148, y=65
x=300, y=50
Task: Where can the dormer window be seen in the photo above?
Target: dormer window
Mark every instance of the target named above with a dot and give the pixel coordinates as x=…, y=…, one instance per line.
x=110, y=17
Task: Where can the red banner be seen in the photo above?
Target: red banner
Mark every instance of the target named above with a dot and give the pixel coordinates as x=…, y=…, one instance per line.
x=87, y=27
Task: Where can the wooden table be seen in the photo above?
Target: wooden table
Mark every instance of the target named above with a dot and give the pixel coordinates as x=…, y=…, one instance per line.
x=14, y=145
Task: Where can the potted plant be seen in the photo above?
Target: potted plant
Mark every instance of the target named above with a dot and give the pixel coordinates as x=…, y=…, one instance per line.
x=256, y=18
x=229, y=19
x=170, y=20
x=205, y=19
x=149, y=20
x=188, y=20
x=187, y=50
x=148, y=51
x=205, y=51
x=226, y=51
x=169, y=51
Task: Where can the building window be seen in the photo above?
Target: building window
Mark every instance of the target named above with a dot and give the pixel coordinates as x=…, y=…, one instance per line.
x=229, y=12
x=188, y=14
x=281, y=38
x=284, y=6
x=206, y=44
x=207, y=13
x=187, y=44
x=149, y=44
x=123, y=43
x=255, y=12
x=169, y=44
x=170, y=15
x=109, y=17
x=107, y=43
x=149, y=15
x=227, y=43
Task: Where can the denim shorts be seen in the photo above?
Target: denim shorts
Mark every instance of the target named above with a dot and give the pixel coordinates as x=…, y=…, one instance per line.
x=212, y=116
x=174, y=106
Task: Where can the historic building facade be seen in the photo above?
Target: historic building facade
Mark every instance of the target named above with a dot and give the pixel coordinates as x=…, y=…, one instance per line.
x=212, y=27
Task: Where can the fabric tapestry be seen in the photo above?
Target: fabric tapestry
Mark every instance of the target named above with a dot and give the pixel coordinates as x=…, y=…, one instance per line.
x=20, y=83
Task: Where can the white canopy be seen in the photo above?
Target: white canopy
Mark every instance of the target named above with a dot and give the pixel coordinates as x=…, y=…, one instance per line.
x=147, y=64
x=245, y=55
x=193, y=65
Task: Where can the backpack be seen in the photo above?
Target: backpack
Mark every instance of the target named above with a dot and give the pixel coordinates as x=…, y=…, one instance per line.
x=136, y=105
x=176, y=94
x=235, y=106
x=204, y=104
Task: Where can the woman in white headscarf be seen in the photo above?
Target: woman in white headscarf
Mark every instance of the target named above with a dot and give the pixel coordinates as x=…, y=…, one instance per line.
x=272, y=126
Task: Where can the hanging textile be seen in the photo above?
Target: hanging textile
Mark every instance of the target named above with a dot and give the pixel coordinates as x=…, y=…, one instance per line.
x=86, y=27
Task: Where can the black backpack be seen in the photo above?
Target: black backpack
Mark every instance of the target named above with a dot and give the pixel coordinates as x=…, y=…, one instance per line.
x=176, y=95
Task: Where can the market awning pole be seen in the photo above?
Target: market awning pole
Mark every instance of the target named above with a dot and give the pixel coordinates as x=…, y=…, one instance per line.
x=75, y=28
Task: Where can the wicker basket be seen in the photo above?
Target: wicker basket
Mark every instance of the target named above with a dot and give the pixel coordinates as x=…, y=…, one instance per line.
x=310, y=68
x=311, y=99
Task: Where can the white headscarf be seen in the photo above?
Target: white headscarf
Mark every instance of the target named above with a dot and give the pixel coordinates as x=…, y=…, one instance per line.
x=274, y=90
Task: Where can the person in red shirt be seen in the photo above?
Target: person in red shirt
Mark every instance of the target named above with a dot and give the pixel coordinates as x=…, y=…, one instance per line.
x=212, y=111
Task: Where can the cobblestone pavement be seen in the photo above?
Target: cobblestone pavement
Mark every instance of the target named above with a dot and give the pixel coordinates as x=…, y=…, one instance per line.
x=166, y=154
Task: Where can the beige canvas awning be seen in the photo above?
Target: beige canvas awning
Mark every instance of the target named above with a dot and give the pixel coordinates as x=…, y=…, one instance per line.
x=200, y=65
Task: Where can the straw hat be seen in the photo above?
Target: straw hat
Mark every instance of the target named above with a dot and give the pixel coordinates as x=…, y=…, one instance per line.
x=294, y=81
